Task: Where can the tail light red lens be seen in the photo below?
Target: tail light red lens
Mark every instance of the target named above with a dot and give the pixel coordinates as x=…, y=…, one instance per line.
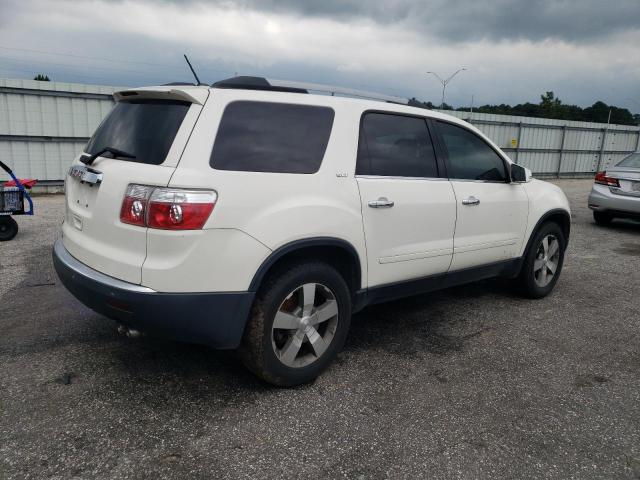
x=167, y=208
x=177, y=209
x=602, y=179
x=134, y=205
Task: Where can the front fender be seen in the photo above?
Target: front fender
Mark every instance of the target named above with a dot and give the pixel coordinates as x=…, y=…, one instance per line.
x=545, y=201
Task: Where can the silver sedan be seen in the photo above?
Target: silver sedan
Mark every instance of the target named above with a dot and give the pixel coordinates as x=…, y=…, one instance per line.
x=616, y=192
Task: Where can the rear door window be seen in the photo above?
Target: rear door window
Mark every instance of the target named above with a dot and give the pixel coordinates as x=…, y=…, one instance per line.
x=395, y=146
x=272, y=137
x=143, y=128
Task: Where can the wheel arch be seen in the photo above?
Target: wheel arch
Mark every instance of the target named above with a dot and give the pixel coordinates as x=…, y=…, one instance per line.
x=339, y=253
x=559, y=216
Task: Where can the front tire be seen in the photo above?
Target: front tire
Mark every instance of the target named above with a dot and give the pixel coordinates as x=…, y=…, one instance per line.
x=543, y=261
x=602, y=218
x=298, y=324
x=8, y=228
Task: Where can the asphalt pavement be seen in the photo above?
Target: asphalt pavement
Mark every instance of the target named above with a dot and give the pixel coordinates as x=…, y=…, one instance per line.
x=471, y=382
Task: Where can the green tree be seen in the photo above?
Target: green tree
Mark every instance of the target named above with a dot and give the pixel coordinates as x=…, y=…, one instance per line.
x=598, y=112
x=550, y=106
x=41, y=78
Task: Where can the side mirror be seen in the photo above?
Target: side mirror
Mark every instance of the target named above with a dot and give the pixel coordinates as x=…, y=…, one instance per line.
x=519, y=174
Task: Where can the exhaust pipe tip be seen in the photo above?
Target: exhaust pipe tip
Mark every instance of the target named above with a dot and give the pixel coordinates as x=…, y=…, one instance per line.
x=131, y=333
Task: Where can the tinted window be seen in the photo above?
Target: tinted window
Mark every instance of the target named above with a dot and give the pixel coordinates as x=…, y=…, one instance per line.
x=395, y=145
x=272, y=137
x=144, y=128
x=632, y=161
x=469, y=156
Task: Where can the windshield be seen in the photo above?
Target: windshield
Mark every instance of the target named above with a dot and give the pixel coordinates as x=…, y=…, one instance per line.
x=143, y=128
x=632, y=161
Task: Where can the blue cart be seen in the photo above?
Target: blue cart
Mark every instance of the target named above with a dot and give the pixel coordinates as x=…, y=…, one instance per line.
x=13, y=195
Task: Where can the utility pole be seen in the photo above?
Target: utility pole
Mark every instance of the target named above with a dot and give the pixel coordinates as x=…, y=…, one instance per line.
x=445, y=82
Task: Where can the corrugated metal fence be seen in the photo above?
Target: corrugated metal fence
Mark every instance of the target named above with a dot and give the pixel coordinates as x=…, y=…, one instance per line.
x=43, y=125
x=557, y=147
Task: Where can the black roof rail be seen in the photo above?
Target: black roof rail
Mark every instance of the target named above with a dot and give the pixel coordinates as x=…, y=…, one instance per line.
x=245, y=82
x=172, y=84
x=261, y=83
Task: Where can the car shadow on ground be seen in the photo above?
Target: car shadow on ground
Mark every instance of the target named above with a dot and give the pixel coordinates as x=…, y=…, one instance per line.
x=109, y=361
x=416, y=325
x=621, y=225
x=408, y=327
x=391, y=326
x=428, y=323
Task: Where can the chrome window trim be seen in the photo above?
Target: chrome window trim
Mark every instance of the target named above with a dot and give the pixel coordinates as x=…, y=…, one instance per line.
x=505, y=182
x=396, y=177
x=442, y=179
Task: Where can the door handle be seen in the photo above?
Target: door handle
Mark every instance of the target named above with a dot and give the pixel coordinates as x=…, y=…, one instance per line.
x=471, y=201
x=382, y=202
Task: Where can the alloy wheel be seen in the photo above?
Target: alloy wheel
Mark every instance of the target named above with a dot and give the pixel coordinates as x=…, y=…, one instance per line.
x=304, y=325
x=547, y=259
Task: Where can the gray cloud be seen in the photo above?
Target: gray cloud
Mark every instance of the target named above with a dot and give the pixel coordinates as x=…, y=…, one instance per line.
x=467, y=20
x=514, y=51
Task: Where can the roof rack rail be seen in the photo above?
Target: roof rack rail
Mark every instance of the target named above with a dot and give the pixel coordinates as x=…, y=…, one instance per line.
x=261, y=83
x=172, y=84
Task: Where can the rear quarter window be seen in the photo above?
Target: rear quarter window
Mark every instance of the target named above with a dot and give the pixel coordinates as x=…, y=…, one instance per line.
x=632, y=161
x=272, y=137
x=143, y=128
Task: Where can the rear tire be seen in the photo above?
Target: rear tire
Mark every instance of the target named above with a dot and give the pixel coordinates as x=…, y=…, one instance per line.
x=8, y=228
x=312, y=304
x=543, y=261
x=602, y=218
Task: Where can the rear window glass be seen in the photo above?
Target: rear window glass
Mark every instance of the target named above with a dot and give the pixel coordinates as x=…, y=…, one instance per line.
x=143, y=128
x=632, y=161
x=272, y=137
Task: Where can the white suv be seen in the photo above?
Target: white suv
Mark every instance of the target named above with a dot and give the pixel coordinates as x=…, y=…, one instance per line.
x=255, y=215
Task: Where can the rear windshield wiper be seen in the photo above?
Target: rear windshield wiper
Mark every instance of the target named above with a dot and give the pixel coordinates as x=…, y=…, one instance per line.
x=88, y=160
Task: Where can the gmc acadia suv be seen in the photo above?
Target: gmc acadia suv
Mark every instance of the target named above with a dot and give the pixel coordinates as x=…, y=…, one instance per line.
x=256, y=215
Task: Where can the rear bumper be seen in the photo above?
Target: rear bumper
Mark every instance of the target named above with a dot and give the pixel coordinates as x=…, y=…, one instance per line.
x=214, y=319
x=601, y=199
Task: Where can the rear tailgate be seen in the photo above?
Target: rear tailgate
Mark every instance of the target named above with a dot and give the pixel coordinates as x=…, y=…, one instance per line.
x=153, y=125
x=629, y=180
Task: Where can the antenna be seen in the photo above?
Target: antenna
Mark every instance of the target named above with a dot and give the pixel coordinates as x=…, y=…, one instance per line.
x=192, y=70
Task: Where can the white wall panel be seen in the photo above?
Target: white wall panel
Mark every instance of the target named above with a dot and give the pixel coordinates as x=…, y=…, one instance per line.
x=73, y=111
x=582, y=141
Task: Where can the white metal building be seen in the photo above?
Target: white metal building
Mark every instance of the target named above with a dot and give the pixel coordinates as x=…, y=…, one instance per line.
x=44, y=125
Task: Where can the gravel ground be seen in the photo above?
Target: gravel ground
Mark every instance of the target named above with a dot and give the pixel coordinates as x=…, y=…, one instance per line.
x=471, y=382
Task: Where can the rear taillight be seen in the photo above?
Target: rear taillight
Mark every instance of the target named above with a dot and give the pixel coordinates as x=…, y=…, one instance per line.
x=167, y=208
x=602, y=179
x=176, y=209
x=134, y=205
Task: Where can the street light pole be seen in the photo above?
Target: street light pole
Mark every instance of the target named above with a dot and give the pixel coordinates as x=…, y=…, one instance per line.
x=445, y=82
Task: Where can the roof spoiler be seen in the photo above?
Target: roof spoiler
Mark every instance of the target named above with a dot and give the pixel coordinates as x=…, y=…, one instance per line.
x=198, y=96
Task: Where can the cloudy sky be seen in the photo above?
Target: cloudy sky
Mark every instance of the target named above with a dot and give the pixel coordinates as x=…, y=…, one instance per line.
x=584, y=50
